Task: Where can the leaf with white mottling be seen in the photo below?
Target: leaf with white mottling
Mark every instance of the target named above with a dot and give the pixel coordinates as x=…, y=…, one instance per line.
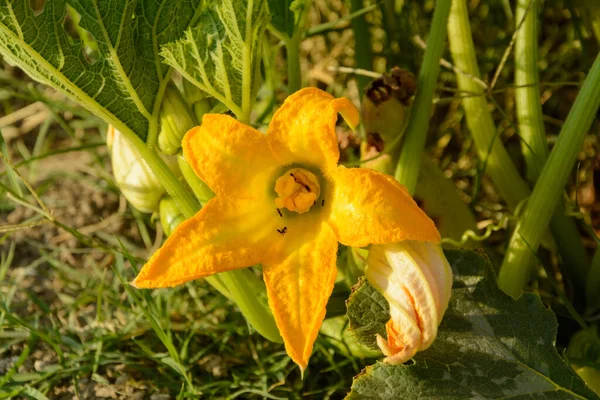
x=489, y=346
x=124, y=86
x=368, y=312
x=221, y=54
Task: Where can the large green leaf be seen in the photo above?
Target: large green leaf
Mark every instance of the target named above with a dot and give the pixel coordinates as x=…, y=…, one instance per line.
x=489, y=346
x=125, y=85
x=221, y=54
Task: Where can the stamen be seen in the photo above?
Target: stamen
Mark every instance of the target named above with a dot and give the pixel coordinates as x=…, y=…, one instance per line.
x=297, y=190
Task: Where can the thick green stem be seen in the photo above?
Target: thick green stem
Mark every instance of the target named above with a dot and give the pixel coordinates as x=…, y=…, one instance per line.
x=362, y=45
x=527, y=95
x=407, y=170
x=479, y=119
x=292, y=47
x=533, y=139
x=549, y=187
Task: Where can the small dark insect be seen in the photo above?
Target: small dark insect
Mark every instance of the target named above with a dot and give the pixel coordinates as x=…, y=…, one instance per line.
x=282, y=231
x=279, y=212
x=322, y=202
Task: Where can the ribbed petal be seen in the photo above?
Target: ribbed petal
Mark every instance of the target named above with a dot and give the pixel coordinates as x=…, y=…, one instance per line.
x=303, y=128
x=223, y=236
x=373, y=208
x=231, y=158
x=299, y=286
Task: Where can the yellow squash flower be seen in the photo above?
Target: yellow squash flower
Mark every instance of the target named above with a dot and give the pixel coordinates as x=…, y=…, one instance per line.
x=283, y=202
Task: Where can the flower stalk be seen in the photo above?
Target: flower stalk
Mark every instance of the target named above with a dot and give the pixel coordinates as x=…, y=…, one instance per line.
x=533, y=139
x=292, y=47
x=416, y=132
x=549, y=187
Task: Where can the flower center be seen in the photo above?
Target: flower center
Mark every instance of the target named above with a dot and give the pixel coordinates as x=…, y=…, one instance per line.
x=297, y=190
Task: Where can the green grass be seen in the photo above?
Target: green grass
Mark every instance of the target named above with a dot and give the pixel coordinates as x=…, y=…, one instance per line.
x=71, y=326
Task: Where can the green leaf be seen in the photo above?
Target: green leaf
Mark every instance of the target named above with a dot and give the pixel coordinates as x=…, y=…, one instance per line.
x=368, y=312
x=221, y=54
x=489, y=346
x=285, y=15
x=124, y=86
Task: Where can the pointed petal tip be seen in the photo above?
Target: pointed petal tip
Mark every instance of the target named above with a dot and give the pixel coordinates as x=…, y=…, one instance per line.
x=348, y=111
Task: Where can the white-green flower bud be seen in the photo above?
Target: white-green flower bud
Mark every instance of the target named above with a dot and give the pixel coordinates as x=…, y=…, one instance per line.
x=176, y=118
x=133, y=175
x=416, y=280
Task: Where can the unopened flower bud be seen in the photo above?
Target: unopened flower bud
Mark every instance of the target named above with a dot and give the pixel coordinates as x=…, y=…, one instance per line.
x=416, y=280
x=133, y=175
x=176, y=118
x=170, y=214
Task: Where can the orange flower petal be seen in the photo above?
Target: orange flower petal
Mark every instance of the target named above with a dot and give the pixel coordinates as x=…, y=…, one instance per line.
x=230, y=157
x=223, y=236
x=298, y=288
x=373, y=208
x=303, y=129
